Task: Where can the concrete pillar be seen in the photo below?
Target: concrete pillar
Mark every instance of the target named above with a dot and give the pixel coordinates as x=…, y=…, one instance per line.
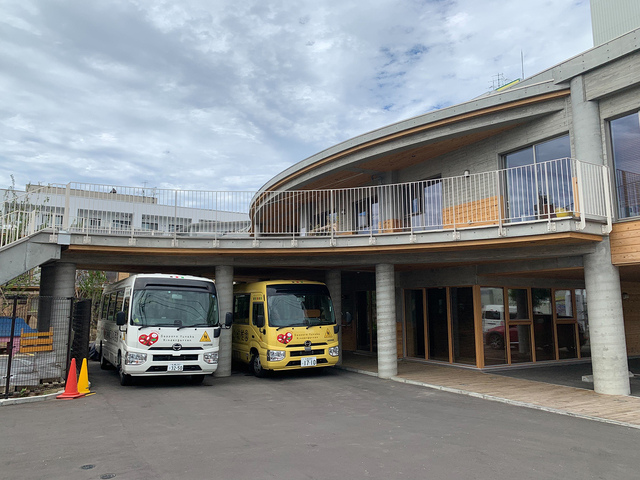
x=386, y=308
x=602, y=279
x=606, y=322
x=334, y=284
x=587, y=137
x=224, y=289
x=58, y=286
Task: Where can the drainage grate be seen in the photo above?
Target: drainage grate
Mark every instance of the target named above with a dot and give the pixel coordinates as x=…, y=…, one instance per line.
x=87, y=467
x=108, y=475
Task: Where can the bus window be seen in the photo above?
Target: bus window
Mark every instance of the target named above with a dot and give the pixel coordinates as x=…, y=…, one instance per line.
x=241, y=309
x=119, y=301
x=105, y=306
x=258, y=309
x=111, y=315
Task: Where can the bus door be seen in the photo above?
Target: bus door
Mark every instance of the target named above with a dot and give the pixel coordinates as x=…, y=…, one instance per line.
x=258, y=334
x=241, y=314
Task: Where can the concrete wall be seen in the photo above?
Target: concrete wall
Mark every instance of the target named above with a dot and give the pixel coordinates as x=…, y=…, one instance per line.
x=484, y=156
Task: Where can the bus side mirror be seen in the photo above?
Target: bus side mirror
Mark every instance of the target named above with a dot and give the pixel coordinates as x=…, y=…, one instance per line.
x=121, y=319
x=259, y=321
x=228, y=320
x=348, y=318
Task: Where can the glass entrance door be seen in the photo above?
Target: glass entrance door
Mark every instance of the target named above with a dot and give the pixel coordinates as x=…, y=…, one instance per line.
x=366, y=334
x=414, y=323
x=438, y=324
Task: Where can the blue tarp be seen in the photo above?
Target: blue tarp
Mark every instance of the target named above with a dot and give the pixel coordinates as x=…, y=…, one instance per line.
x=21, y=326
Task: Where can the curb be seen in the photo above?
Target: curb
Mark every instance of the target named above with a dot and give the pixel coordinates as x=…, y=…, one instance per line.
x=493, y=398
x=40, y=398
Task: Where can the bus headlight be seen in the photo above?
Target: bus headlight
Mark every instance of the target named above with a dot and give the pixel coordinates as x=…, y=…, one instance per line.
x=211, y=357
x=276, y=355
x=135, y=358
x=334, y=351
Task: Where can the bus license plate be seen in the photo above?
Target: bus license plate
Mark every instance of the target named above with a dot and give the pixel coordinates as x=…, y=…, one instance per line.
x=308, y=362
x=175, y=367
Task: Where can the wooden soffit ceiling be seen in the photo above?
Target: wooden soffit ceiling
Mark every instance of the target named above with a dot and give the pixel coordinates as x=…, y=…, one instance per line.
x=357, y=176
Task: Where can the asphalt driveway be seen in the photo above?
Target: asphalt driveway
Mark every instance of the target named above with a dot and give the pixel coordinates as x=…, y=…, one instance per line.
x=335, y=425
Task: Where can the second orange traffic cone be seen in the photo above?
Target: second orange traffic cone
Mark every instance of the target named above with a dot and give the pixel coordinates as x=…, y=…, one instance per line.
x=83, y=379
x=71, y=387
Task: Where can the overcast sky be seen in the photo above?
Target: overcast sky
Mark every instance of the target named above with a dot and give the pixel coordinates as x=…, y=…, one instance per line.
x=224, y=94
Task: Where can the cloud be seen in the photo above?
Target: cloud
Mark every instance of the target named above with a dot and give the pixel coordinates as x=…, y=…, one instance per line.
x=224, y=95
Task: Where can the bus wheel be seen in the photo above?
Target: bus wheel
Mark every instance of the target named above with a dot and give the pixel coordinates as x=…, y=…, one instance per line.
x=258, y=371
x=125, y=380
x=197, y=379
x=104, y=365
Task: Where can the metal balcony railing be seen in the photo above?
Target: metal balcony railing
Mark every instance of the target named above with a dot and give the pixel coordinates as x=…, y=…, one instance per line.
x=543, y=192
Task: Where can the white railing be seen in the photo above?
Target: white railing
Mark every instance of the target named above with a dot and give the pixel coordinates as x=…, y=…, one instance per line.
x=543, y=192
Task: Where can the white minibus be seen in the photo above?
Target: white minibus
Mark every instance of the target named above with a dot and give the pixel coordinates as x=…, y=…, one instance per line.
x=156, y=324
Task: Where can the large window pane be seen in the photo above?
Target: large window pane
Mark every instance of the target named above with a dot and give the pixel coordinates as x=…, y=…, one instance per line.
x=493, y=326
x=438, y=325
x=563, y=304
x=543, y=324
x=414, y=318
x=583, y=322
x=567, y=340
x=464, y=336
x=625, y=139
x=518, y=304
x=520, y=341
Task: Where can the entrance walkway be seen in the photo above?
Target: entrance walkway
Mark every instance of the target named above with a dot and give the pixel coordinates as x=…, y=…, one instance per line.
x=517, y=391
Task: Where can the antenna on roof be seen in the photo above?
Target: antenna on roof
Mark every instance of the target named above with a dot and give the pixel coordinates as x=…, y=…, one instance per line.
x=522, y=61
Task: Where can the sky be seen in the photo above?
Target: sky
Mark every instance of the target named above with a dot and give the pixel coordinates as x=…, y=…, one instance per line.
x=225, y=94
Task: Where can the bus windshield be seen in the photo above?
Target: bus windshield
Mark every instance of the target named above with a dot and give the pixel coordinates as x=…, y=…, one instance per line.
x=299, y=305
x=160, y=307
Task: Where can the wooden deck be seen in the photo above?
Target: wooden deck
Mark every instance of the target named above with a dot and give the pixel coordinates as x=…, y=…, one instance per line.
x=570, y=400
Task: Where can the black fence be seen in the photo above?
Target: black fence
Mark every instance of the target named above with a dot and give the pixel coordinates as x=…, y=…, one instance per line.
x=38, y=338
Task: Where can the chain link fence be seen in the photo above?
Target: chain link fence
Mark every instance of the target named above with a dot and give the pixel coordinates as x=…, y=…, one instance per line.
x=38, y=337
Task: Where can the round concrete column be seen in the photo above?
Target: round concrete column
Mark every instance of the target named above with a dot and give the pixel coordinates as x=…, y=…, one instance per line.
x=606, y=322
x=587, y=137
x=334, y=284
x=224, y=290
x=386, y=314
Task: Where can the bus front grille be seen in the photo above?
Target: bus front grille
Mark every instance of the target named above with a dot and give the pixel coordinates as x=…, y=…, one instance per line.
x=171, y=358
x=304, y=353
x=163, y=368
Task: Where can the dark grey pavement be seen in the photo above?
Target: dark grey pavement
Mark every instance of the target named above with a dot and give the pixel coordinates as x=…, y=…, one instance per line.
x=568, y=375
x=337, y=425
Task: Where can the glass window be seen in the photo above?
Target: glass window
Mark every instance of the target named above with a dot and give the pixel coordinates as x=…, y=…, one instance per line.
x=437, y=323
x=462, y=325
x=241, y=308
x=258, y=309
x=543, y=324
x=518, y=304
x=105, y=306
x=119, y=300
x=564, y=304
x=493, y=326
x=112, y=306
x=174, y=307
x=520, y=342
x=299, y=305
x=539, y=180
x=583, y=322
x=414, y=318
x=567, y=340
x=625, y=140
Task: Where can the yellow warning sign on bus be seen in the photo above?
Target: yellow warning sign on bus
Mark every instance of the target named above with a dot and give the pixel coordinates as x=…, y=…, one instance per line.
x=205, y=337
x=328, y=334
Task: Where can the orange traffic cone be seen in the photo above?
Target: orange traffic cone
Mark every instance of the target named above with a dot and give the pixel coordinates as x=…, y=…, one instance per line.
x=71, y=387
x=83, y=379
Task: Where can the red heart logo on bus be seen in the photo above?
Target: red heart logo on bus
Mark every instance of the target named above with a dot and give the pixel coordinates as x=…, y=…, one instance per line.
x=148, y=340
x=286, y=338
